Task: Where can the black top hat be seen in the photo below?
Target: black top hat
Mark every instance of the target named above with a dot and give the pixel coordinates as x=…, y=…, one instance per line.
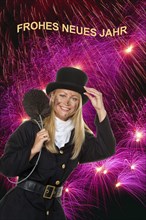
x=70, y=78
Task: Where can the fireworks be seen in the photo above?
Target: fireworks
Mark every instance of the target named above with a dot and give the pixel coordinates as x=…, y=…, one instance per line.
x=115, y=66
x=129, y=49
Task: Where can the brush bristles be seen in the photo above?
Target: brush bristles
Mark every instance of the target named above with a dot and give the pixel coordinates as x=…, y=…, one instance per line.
x=35, y=103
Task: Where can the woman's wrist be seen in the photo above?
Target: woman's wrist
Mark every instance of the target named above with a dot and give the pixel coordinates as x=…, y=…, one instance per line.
x=101, y=114
x=32, y=153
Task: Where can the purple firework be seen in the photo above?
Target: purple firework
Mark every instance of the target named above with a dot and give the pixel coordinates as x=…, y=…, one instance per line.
x=115, y=66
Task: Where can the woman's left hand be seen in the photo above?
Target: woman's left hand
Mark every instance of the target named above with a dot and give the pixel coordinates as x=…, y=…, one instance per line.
x=96, y=99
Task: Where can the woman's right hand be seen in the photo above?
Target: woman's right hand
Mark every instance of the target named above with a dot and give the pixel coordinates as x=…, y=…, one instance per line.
x=41, y=137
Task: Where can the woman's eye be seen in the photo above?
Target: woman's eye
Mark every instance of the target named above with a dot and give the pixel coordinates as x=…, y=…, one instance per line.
x=75, y=99
x=62, y=95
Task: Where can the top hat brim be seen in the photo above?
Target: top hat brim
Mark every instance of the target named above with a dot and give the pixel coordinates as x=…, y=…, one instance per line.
x=58, y=85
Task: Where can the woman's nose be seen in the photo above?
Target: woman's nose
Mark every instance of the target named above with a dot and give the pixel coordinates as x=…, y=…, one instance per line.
x=67, y=101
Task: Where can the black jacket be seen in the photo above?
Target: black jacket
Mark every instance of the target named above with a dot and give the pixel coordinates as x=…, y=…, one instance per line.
x=21, y=204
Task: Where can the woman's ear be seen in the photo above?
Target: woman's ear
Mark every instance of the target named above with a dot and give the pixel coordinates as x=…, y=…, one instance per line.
x=52, y=96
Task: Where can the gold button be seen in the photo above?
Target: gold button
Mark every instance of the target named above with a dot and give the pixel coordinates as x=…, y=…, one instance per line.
x=63, y=166
x=57, y=182
x=47, y=212
x=61, y=151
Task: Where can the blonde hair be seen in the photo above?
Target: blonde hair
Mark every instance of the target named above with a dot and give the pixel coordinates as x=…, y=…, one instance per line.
x=79, y=134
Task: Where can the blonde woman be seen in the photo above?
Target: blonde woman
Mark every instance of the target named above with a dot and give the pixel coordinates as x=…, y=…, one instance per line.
x=64, y=142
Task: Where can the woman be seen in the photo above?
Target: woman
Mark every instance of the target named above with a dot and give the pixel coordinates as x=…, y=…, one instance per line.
x=65, y=141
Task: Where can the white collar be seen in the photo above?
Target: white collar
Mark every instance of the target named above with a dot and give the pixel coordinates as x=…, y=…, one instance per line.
x=62, y=131
x=60, y=124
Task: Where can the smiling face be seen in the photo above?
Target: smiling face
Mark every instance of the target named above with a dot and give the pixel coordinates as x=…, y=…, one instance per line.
x=65, y=103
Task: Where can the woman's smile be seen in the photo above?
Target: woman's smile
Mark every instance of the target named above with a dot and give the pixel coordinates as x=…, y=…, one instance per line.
x=65, y=108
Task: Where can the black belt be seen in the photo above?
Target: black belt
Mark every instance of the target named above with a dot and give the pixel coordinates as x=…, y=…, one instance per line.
x=47, y=191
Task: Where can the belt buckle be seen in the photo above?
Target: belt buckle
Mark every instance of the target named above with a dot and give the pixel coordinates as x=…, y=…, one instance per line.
x=47, y=194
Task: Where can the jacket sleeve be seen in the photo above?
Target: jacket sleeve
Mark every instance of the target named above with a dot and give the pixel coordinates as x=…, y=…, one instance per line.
x=99, y=147
x=17, y=151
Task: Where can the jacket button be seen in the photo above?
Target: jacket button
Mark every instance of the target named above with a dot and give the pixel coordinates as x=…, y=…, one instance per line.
x=57, y=182
x=61, y=151
x=63, y=166
x=47, y=213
